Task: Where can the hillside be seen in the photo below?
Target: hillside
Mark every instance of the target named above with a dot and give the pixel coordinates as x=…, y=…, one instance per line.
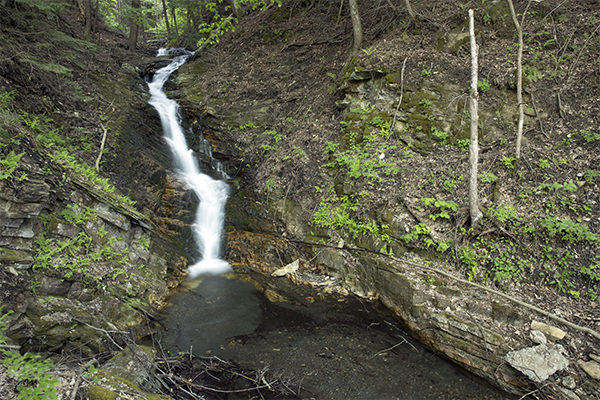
x=348, y=171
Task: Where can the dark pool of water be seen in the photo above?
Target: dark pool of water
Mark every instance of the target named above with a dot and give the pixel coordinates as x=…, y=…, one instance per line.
x=332, y=347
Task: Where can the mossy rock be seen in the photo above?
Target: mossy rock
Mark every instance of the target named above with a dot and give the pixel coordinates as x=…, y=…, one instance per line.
x=9, y=256
x=100, y=393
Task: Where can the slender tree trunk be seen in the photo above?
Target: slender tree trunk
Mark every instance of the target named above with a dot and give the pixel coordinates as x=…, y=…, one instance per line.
x=474, y=146
x=173, y=12
x=235, y=9
x=519, y=81
x=133, y=27
x=356, y=26
x=88, y=17
x=164, y=3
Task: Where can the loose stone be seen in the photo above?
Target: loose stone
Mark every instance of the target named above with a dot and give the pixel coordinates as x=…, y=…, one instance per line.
x=592, y=368
x=551, y=332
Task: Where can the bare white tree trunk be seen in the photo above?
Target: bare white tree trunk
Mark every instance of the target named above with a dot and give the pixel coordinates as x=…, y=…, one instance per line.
x=474, y=145
x=519, y=81
x=356, y=26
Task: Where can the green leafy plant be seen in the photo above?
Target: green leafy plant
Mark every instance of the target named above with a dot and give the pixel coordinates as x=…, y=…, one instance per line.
x=483, y=85
x=443, y=207
x=419, y=229
x=35, y=383
x=463, y=144
x=425, y=103
x=589, y=176
x=9, y=164
x=509, y=162
x=488, y=177
x=590, y=136
x=440, y=135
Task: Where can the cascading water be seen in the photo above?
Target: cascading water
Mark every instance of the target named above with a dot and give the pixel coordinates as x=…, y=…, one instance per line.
x=212, y=193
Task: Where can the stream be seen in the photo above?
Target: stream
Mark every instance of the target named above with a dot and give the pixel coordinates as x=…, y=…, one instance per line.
x=331, y=346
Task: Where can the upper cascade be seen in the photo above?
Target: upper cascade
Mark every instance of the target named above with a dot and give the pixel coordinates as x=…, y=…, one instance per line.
x=212, y=193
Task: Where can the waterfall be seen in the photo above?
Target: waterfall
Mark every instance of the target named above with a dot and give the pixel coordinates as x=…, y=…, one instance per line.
x=212, y=193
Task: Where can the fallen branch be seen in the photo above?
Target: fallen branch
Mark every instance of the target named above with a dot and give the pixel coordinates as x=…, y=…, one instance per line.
x=538, y=116
x=101, y=148
x=401, y=92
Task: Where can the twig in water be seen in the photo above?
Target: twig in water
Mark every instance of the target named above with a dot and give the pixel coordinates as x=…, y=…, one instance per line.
x=390, y=348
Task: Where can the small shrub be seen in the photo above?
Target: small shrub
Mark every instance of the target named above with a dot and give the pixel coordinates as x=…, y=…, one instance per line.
x=483, y=85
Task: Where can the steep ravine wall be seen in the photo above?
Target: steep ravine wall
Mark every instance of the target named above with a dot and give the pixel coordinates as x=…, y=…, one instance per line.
x=81, y=264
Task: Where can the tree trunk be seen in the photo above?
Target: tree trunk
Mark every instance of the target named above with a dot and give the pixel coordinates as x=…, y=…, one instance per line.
x=519, y=81
x=173, y=12
x=88, y=17
x=133, y=27
x=235, y=9
x=356, y=26
x=164, y=3
x=474, y=145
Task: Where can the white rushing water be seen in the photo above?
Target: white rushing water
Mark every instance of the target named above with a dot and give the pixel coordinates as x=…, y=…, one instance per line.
x=212, y=193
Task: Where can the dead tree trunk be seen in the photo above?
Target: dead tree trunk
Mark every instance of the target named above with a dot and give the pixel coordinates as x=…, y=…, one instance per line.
x=474, y=145
x=356, y=26
x=519, y=81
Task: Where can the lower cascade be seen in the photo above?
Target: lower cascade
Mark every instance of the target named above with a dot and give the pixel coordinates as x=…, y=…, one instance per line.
x=212, y=193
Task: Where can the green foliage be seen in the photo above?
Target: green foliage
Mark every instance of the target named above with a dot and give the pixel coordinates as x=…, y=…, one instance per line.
x=442, y=207
x=71, y=258
x=590, y=136
x=419, y=229
x=425, y=103
x=425, y=73
x=337, y=216
x=249, y=125
x=30, y=370
x=468, y=258
x=269, y=186
x=463, y=144
x=569, y=231
x=502, y=212
x=509, y=162
x=218, y=25
x=589, y=176
x=440, y=135
x=6, y=97
x=9, y=164
x=275, y=137
x=488, y=177
x=483, y=85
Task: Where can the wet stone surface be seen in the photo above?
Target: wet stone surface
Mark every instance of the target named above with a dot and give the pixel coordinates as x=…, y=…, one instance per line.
x=333, y=347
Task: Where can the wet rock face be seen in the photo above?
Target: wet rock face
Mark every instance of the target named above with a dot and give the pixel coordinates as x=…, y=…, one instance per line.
x=451, y=317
